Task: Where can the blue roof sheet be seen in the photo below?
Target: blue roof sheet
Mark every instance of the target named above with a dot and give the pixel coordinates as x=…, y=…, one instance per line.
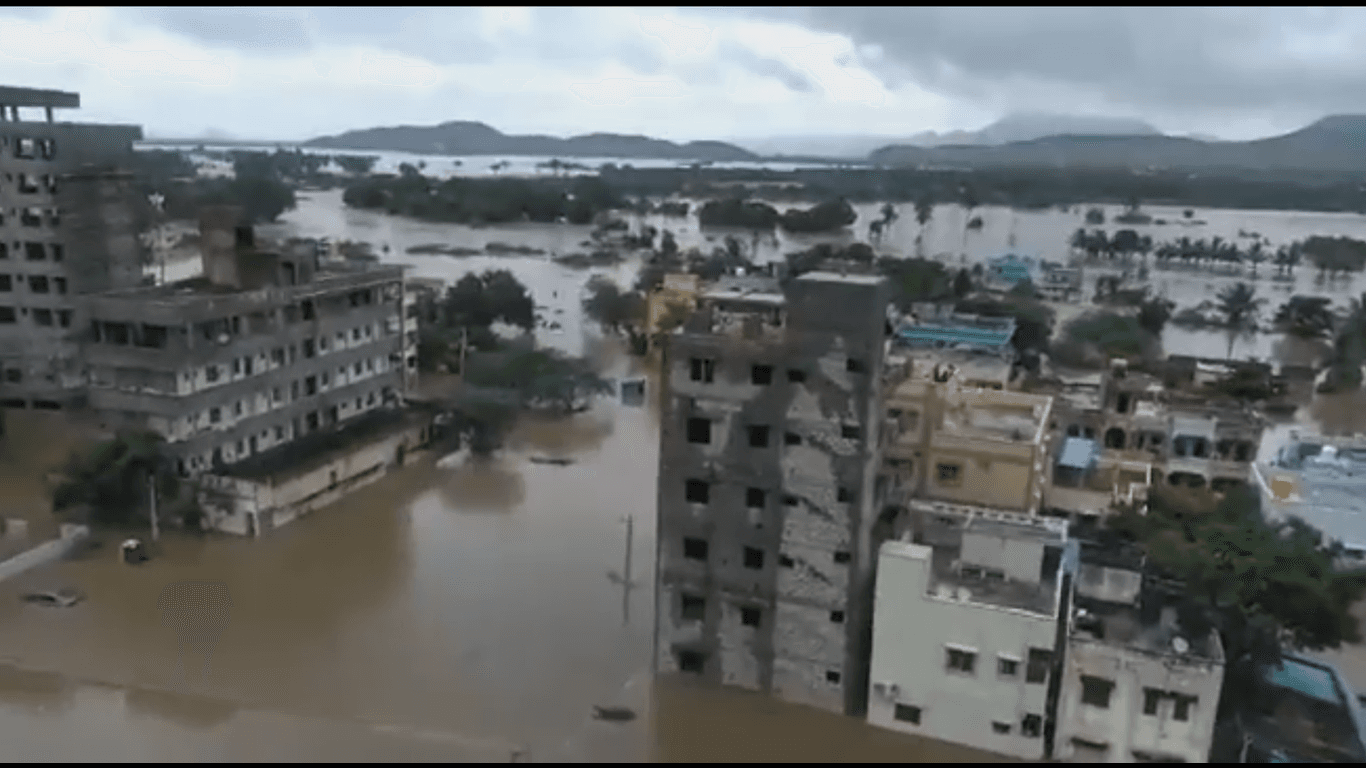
x=989, y=337
x=1077, y=453
x=1312, y=681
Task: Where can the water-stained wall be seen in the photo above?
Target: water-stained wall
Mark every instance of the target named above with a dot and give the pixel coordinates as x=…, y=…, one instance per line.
x=764, y=511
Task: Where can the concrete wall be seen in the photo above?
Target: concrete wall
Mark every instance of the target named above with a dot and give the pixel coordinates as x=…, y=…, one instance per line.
x=911, y=635
x=1123, y=728
x=44, y=553
x=260, y=505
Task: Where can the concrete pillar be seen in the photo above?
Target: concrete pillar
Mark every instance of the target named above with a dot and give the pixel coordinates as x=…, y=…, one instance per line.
x=49, y=113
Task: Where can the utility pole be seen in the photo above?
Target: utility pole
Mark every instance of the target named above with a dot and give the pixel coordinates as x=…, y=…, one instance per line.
x=464, y=349
x=626, y=572
x=152, y=496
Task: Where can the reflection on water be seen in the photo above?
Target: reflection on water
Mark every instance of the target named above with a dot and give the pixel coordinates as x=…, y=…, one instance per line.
x=483, y=485
x=184, y=709
x=44, y=691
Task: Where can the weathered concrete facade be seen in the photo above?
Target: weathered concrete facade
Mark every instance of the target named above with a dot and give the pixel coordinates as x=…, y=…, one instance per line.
x=1138, y=687
x=69, y=224
x=968, y=630
x=767, y=491
x=949, y=441
x=264, y=351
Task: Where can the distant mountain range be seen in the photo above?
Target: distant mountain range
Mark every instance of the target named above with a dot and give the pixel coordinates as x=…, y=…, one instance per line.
x=474, y=138
x=1333, y=144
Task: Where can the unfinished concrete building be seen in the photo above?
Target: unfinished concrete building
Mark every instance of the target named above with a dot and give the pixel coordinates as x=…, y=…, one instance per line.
x=262, y=350
x=768, y=490
x=69, y=226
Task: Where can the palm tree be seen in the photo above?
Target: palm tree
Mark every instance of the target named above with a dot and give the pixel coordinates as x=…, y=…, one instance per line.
x=924, y=211
x=1255, y=256
x=1079, y=240
x=1239, y=305
x=968, y=199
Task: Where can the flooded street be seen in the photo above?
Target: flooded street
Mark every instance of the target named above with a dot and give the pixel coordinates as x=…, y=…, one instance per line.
x=466, y=613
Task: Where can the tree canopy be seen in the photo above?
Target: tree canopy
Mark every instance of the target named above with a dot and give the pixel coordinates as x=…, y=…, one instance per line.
x=478, y=301
x=1263, y=585
x=1093, y=339
x=111, y=481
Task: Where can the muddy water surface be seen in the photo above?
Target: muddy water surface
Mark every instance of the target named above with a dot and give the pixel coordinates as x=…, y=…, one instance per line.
x=444, y=614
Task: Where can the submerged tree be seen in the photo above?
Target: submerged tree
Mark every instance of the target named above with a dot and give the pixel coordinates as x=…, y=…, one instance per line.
x=113, y=482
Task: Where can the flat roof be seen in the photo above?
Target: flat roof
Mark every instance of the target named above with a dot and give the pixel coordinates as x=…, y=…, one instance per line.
x=14, y=96
x=317, y=448
x=1077, y=453
x=189, y=290
x=836, y=277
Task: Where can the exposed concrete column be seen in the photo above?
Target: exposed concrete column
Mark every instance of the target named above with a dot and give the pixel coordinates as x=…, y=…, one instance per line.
x=49, y=113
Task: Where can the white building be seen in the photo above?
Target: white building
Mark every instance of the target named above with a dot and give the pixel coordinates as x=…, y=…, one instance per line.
x=966, y=639
x=1138, y=687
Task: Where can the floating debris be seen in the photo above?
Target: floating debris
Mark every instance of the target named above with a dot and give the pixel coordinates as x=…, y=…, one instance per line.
x=558, y=462
x=613, y=714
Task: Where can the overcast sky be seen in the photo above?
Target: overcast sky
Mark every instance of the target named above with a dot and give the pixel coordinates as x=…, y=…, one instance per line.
x=294, y=73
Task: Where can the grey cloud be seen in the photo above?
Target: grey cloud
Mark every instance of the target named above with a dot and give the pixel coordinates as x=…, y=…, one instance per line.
x=765, y=66
x=1176, y=61
x=254, y=29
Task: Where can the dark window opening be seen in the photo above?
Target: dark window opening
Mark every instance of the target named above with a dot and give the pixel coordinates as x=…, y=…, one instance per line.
x=785, y=562
x=211, y=374
x=1122, y=403
x=842, y=557
x=7, y=315
x=754, y=558
x=1032, y=726
x=853, y=365
x=42, y=317
x=64, y=318
x=999, y=727
x=1037, y=669
x=907, y=714
x=844, y=495
x=691, y=662
x=1181, y=708
x=789, y=500
x=310, y=348
x=699, y=431
x=6, y=283
x=695, y=549
x=1095, y=691
x=948, y=474
x=35, y=251
x=14, y=375
x=697, y=491
x=961, y=661
x=311, y=385
x=1007, y=667
x=837, y=617
x=850, y=432
x=831, y=676
x=792, y=438
x=758, y=436
x=702, y=369
x=1151, y=698
x=306, y=310
x=694, y=608
x=755, y=497
x=38, y=284
x=750, y=617
x=795, y=376
x=761, y=375
x=215, y=415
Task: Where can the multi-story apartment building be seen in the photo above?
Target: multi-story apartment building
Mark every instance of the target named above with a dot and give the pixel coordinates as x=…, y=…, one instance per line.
x=950, y=441
x=969, y=629
x=69, y=226
x=768, y=488
x=263, y=349
x=1138, y=686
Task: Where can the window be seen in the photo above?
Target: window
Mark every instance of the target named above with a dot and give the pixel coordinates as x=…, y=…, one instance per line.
x=1151, y=698
x=1181, y=709
x=750, y=617
x=761, y=375
x=837, y=617
x=42, y=317
x=1007, y=667
x=831, y=676
x=758, y=436
x=7, y=315
x=754, y=558
x=697, y=491
x=702, y=369
x=842, y=557
x=37, y=284
x=907, y=714
x=699, y=431
x=1095, y=691
x=355, y=334
x=853, y=365
x=949, y=474
x=310, y=347
x=960, y=660
x=215, y=415
x=1032, y=726
x=694, y=608
x=795, y=376
x=755, y=497
x=785, y=562
x=789, y=500
x=237, y=408
x=14, y=375
x=64, y=318
x=1037, y=669
x=306, y=310
x=6, y=283
x=237, y=367
x=695, y=549
x=57, y=252
x=792, y=438
x=211, y=374
x=999, y=727
x=844, y=495
x=35, y=251
x=850, y=431
x=691, y=662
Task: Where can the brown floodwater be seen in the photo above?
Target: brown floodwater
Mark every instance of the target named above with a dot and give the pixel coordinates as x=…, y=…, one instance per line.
x=464, y=613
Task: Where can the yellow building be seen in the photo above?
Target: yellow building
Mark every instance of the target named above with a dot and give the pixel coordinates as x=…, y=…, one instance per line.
x=952, y=442
x=678, y=290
